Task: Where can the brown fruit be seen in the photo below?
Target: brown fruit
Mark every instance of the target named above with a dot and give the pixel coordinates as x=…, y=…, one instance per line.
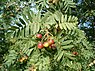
x=75, y=53
x=53, y=46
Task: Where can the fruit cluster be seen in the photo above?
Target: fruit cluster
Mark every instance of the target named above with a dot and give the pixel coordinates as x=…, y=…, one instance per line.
x=49, y=43
x=23, y=59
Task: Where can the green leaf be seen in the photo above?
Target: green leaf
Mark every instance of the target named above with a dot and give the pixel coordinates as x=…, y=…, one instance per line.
x=60, y=56
x=22, y=33
x=38, y=26
x=57, y=15
x=67, y=25
x=13, y=28
x=34, y=28
x=29, y=51
x=22, y=21
x=67, y=46
x=64, y=26
x=24, y=17
x=60, y=25
x=18, y=24
x=69, y=18
x=30, y=16
x=68, y=54
x=66, y=42
x=85, y=44
x=74, y=65
x=27, y=30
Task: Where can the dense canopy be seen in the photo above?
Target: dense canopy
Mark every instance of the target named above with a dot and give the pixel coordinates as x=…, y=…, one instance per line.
x=47, y=35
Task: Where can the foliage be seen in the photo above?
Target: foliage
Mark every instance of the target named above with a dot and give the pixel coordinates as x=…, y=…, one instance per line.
x=85, y=11
x=9, y=10
x=56, y=24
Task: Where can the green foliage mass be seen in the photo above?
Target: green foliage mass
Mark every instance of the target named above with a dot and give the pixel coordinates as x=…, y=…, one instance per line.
x=57, y=23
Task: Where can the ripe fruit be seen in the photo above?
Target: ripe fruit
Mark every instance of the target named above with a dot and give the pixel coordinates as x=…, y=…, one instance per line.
x=51, y=41
x=39, y=36
x=40, y=45
x=75, y=53
x=46, y=44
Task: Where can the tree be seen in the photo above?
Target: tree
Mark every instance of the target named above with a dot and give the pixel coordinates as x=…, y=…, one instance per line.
x=9, y=11
x=70, y=50
x=85, y=13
